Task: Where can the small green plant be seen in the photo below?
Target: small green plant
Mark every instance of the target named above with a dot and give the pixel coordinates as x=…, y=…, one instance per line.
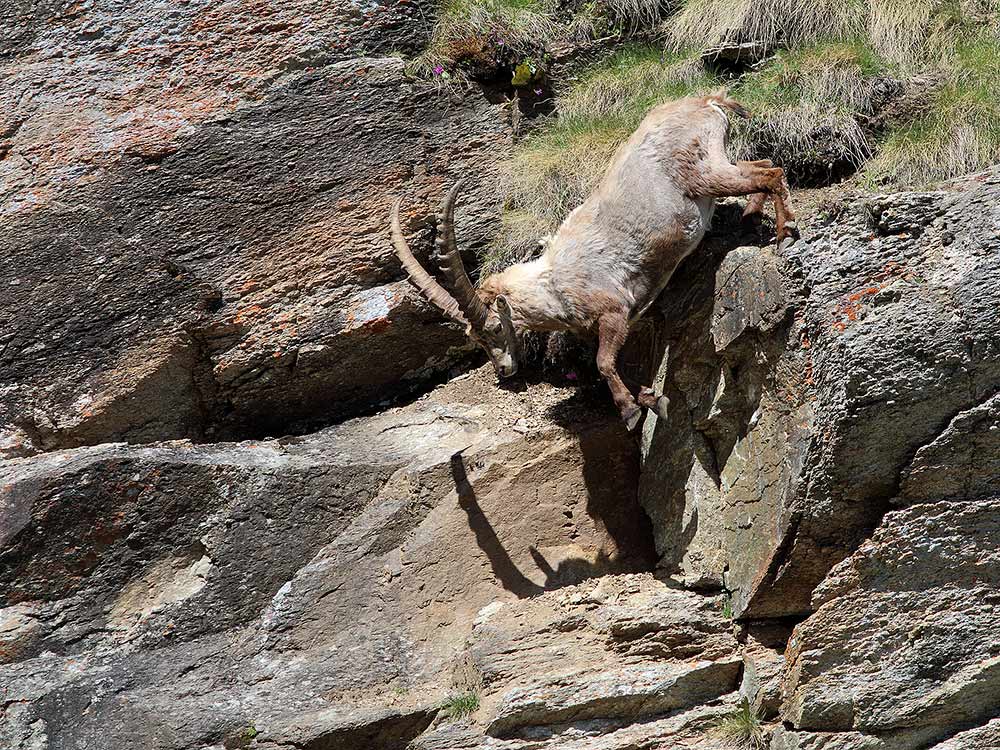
x=741, y=729
x=459, y=706
x=727, y=607
x=241, y=739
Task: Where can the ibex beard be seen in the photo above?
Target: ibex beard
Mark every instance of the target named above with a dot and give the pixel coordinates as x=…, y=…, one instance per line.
x=614, y=254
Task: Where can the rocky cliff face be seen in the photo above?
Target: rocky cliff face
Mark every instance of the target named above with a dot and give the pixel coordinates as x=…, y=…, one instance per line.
x=236, y=511
x=194, y=201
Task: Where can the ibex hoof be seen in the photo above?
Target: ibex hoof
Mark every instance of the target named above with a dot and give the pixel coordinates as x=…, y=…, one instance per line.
x=657, y=404
x=790, y=231
x=632, y=419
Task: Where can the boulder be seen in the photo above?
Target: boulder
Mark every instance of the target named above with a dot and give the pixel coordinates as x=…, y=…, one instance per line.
x=905, y=633
x=196, y=220
x=597, y=656
x=803, y=380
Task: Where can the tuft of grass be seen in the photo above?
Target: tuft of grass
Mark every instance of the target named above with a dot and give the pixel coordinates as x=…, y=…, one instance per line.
x=460, y=705
x=898, y=29
x=563, y=160
x=960, y=130
x=741, y=729
x=482, y=33
x=806, y=104
x=633, y=15
x=772, y=23
x=727, y=607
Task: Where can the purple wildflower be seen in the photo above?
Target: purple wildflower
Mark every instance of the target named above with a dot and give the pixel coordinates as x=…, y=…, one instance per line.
x=438, y=70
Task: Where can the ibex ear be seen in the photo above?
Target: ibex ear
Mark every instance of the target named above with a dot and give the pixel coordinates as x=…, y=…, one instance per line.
x=506, y=319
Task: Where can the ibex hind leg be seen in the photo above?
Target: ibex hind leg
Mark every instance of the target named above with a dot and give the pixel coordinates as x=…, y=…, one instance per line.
x=748, y=178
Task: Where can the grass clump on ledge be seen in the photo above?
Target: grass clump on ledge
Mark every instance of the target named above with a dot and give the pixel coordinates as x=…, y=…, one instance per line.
x=960, y=130
x=900, y=30
x=558, y=164
x=710, y=23
x=460, y=706
x=480, y=36
x=806, y=104
x=741, y=729
x=483, y=34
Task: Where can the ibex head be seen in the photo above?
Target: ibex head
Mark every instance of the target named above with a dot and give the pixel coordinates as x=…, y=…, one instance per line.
x=489, y=323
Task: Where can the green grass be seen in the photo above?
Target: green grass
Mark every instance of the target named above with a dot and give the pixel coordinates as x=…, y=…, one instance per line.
x=460, y=706
x=960, y=130
x=558, y=164
x=899, y=28
x=727, y=607
x=708, y=23
x=814, y=97
x=479, y=33
x=806, y=104
x=741, y=729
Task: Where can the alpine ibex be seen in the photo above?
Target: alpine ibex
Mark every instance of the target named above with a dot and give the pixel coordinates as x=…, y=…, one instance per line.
x=614, y=253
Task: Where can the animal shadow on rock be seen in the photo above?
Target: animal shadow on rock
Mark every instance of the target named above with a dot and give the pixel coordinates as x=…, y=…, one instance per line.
x=622, y=517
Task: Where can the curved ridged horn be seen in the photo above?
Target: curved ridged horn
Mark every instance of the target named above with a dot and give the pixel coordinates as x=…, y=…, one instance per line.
x=419, y=277
x=452, y=266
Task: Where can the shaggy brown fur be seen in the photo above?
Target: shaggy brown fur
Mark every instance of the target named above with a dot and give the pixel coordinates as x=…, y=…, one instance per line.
x=613, y=254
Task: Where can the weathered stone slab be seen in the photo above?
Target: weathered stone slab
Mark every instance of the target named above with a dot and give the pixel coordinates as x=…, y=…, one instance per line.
x=195, y=221
x=905, y=634
x=318, y=588
x=627, y=694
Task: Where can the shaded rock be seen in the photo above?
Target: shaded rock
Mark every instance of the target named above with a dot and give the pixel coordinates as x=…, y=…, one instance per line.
x=963, y=461
x=386, y=729
x=986, y=737
x=763, y=668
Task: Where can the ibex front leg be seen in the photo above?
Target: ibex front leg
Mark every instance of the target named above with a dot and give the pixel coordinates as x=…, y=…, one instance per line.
x=747, y=178
x=612, y=330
